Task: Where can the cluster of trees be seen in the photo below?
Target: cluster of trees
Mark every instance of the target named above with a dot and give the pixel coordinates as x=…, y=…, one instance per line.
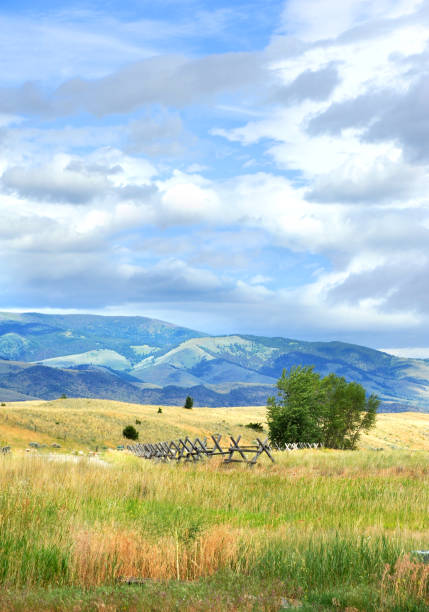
x=328, y=410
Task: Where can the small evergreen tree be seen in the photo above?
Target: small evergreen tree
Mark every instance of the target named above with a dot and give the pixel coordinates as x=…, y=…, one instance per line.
x=130, y=432
x=189, y=402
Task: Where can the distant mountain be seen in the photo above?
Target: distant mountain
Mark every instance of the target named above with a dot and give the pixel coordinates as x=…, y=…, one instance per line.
x=34, y=337
x=139, y=359
x=24, y=381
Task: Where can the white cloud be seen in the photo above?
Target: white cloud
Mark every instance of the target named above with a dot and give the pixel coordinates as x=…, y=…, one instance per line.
x=308, y=20
x=417, y=352
x=188, y=199
x=326, y=114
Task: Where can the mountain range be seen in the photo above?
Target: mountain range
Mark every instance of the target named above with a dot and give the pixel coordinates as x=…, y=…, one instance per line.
x=138, y=359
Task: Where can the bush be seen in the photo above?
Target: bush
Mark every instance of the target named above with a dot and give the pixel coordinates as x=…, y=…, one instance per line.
x=189, y=402
x=138, y=422
x=255, y=426
x=130, y=432
x=159, y=410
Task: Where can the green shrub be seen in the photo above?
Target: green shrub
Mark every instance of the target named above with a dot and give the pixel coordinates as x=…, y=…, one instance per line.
x=130, y=432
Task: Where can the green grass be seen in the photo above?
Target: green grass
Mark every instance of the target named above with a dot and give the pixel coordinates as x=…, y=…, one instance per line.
x=328, y=529
x=325, y=530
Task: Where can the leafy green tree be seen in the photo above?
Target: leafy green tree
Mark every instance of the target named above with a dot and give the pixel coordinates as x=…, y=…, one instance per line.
x=292, y=416
x=329, y=410
x=130, y=432
x=189, y=402
x=347, y=412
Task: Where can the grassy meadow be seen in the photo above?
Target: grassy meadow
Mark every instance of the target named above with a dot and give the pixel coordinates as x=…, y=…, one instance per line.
x=88, y=423
x=319, y=530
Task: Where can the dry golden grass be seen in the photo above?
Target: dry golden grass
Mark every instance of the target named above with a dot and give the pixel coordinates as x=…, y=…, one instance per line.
x=106, y=554
x=89, y=422
x=403, y=430
x=86, y=423
x=408, y=578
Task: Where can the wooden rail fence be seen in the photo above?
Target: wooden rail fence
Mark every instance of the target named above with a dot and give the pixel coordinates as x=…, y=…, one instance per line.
x=194, y=450
x=295, y=446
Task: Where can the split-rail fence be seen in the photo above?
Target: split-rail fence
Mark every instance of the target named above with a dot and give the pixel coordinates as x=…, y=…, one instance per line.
x=188, y=450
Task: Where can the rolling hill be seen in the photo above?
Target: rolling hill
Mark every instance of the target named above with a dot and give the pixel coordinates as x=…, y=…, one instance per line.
x=144, y=360
x=87, y=423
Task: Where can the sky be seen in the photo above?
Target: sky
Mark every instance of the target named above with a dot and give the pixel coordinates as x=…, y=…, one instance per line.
x=246, y=167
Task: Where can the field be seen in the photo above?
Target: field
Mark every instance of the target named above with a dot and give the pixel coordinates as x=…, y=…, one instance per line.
x=88, y=423
x=319, y=530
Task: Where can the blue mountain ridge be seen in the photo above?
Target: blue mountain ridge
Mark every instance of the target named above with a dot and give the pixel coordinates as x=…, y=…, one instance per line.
x=139, y=359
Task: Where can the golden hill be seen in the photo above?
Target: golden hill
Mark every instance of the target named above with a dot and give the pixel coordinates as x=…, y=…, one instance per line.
x=87, y=423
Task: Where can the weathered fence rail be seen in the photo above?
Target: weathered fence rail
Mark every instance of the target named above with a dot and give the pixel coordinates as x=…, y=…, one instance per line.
x=188, y=450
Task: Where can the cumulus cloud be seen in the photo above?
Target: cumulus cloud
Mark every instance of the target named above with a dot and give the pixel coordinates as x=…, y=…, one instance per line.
x=400, y=284
x=26, y=98
x=329, y=240
x=52, y=184
x=156, y=136
x=355, y=113
x=172, y=81
x=404, y=120
x=94, y=279
x=385, y=181
x=64, y=179
x=309, y=85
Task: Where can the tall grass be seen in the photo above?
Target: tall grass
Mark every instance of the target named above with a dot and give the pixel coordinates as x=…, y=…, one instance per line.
x=103, y=556
x=323, y=525
x=407, y=582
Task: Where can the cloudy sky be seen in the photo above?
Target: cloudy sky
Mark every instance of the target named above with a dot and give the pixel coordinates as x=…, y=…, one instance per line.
x=258, y=167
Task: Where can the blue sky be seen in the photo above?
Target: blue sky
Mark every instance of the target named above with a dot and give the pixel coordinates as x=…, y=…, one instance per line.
x=248, y=167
